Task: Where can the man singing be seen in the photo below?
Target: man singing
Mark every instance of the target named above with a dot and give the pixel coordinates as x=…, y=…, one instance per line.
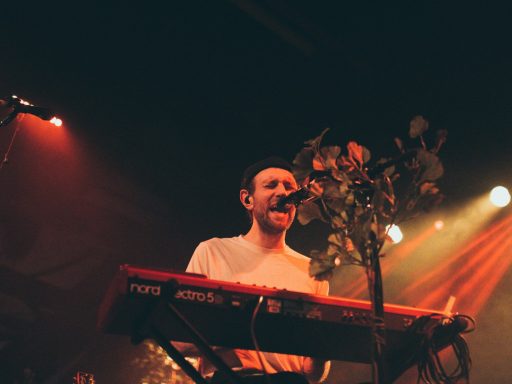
x=262, y=257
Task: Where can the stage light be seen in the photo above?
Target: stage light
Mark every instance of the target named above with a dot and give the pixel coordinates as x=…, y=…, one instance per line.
x=394, y=233
x=439, y=224
x=24, y=102
x=56, y=121
x=499, y=196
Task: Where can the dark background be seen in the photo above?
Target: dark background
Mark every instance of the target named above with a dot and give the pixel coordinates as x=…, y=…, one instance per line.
x=165, y=104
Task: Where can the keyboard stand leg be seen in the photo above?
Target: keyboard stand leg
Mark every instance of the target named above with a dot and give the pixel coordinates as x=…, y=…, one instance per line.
x=176, y=355
x=165, y=312
x=203, y=346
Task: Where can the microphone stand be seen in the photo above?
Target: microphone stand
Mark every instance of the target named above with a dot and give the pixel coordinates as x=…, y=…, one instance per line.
x=380, y=374
x=3, y=123
x=20, y=106
x=375, y=288
x=376, y=292
x=380, y=371
x=10, y=117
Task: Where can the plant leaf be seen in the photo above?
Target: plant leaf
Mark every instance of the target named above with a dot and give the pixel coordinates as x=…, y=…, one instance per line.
x=400, y=145
x=309, y=212
x=337, y=205
x=338, y=222
x=355, y=153
x=318, y=163
x=428, y=187
x=389, y=170
x=303, y=164
x=336, y=239
x=440, y=140
x=334, y=190
x=314, y=144
x=431, y=167
x=418, y=126
x=321, y=265
x=330, y=154
x=367, y=155
x=341, y=177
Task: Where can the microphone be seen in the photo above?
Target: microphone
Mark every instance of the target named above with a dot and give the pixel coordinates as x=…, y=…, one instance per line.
x=22, y=106
x=296, y=198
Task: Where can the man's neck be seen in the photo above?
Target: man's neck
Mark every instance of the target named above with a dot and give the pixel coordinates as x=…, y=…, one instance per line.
x=266, y=240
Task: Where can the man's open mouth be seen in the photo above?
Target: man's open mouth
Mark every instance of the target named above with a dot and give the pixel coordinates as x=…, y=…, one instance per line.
x=282, y=209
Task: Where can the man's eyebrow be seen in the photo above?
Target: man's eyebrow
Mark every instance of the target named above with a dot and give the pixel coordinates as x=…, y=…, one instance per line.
x=273, y=179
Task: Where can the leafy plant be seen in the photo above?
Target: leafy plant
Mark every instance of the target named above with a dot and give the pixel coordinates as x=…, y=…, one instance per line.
x=359, y=200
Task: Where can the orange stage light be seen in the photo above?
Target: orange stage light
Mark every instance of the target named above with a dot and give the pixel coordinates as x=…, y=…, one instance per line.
x=467, y=279
x=471, y=274
x=388, y=263
x=450, y=262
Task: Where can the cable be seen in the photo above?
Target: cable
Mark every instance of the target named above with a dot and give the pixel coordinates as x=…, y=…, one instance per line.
x=430, y=367
x=255, y=341
x=471, y=321
x=5, y=160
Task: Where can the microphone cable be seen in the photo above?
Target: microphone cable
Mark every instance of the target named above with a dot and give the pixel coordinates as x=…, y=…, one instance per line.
x=5, y=159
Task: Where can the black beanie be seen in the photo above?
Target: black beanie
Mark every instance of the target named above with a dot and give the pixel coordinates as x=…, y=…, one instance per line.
x=254, y=169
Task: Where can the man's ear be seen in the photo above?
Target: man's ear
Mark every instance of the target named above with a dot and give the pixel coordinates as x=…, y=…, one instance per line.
x=246, y=199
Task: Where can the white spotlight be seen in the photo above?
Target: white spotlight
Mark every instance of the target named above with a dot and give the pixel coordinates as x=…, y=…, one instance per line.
x=56, y=121
x=499, y=196
x=439, y=224
x=394, y=233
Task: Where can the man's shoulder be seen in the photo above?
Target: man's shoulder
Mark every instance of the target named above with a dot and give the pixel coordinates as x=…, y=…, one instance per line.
x=292, y=252
x=219, y=241
x=219, y=245
x=211, y=253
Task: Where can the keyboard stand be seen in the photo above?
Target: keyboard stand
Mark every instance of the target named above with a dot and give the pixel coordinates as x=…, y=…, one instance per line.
x=154, y=324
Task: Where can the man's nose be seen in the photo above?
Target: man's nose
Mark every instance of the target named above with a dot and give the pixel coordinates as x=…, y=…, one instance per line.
x=281, y=190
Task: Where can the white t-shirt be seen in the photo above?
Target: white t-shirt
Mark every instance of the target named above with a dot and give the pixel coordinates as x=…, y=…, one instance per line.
x=238, y=260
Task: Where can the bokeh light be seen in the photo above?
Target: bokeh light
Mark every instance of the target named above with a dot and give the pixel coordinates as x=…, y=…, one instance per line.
x=56, y=121
x=439, y=224
x=394, y=233
x=499, y=196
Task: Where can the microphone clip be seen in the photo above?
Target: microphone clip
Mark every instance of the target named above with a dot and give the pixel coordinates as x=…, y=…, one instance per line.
x=296, y=198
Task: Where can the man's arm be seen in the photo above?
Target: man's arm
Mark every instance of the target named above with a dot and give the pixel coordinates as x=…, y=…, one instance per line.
x=316, y=370
x=186, y=349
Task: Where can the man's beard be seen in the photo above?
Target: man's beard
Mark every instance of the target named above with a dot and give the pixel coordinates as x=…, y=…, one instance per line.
x=269, y=226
